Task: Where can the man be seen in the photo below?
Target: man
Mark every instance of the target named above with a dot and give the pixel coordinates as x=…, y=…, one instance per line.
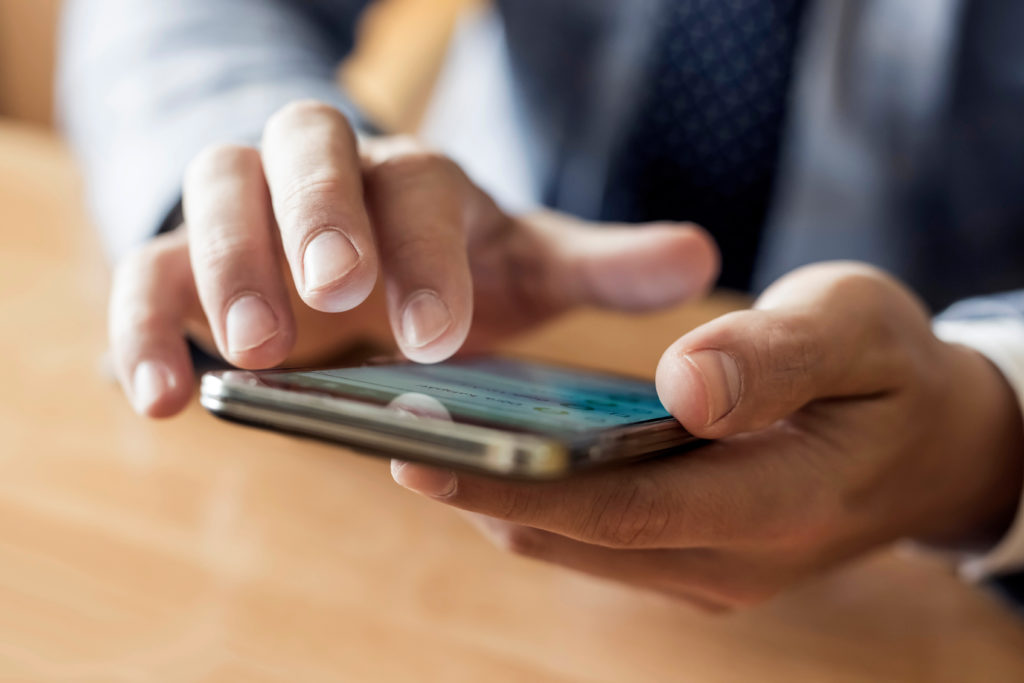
x=885, y=131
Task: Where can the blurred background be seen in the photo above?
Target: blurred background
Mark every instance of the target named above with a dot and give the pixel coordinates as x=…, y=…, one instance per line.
x=130, y=547
x=28, y=30
x=401, y=51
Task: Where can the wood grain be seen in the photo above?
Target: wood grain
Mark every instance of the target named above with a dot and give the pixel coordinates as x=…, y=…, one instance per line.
x=194, y=550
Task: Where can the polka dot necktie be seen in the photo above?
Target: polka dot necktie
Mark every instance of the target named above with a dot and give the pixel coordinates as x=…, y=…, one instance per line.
x=705, y=144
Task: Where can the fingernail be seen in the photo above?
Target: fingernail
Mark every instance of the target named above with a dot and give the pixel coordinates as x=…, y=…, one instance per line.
x=424, y=319
x=721, y=376
x=328, y=258
x=150, y=381
x=424, y=480
x=249, y=324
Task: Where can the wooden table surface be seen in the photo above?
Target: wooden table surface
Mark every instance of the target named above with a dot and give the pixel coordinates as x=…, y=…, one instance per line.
x=195, y=550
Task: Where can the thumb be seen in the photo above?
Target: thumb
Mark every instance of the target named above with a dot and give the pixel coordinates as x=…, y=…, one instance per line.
x=748, y=369
x=632, y=268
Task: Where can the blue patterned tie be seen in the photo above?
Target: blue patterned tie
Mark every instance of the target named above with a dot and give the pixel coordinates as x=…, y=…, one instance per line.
x=705, y=145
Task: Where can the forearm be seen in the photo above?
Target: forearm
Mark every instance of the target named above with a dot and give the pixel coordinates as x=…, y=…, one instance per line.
x=145, y=86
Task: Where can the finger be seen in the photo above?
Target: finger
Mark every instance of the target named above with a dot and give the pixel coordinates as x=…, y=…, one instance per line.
x=630, y=268
x=741, y=490
x=234, y=257
x=419, y=203
x=313, y=170
x=679, y=574
x=824, y=333
x=152, y=294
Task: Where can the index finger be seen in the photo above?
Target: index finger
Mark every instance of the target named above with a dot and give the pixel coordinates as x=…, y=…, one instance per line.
x=725, y=492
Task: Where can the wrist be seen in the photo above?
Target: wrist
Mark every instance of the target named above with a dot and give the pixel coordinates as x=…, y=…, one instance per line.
x=979, y=430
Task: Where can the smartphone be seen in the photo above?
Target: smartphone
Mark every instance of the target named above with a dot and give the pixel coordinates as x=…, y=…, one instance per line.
x=492, y=415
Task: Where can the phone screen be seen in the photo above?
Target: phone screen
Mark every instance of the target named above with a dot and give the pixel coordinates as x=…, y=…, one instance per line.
x=496, y=392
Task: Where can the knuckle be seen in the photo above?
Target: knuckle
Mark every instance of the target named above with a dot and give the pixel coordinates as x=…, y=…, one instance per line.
x=792, y=346
x=377, y=150
x=130, y=317
x=306, y=112
x=633, y=514
x=225, y=248
x=312, y=194
x=865, y=289
x=514, y=504
x=404, y=170
x=152, y=259
x=164, y=251
x=875, y=297
x=788, y=353
x=130, y=323
x=890, y=322
x=425, y=244
x=146, y=293
x=139, y=260
x=861, y=279
x=220, y=158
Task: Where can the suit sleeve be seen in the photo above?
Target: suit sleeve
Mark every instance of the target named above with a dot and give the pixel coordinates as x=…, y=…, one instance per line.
x=144, y=85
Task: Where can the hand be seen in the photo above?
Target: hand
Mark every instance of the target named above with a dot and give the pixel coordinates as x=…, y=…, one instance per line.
x=313, y=204
x=842, y=424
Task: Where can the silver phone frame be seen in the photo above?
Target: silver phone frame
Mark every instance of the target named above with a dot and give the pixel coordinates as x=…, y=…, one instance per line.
x=240, y=396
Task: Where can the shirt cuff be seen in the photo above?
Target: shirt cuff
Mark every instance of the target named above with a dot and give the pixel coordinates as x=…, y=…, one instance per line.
x=1001, y=340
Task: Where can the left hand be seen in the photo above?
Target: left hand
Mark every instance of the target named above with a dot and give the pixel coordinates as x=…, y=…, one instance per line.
x=278, y=259
x=842, y=423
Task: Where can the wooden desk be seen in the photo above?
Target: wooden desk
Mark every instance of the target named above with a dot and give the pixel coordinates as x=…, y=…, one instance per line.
x=194, y=550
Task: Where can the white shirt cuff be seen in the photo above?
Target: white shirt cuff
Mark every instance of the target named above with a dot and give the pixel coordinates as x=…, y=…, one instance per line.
x=1001, y=340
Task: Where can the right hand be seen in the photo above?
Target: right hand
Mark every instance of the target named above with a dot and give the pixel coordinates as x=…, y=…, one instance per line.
x=315, y=204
